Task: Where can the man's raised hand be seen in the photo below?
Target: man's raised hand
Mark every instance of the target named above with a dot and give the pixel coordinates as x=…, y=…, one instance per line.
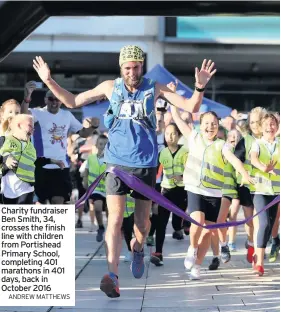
x=42, y=69
x=206, y=72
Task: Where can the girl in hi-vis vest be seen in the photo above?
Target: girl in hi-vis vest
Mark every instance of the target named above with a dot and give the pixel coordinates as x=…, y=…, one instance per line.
x=229, y=191
x=242, y=193
x=173, y=159
x=97, y=203
x=265, y=159
x=8, y=110
x=20, y=161
x=203, y=179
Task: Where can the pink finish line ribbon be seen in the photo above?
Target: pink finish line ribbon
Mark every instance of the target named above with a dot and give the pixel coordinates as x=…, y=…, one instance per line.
x=149, y=192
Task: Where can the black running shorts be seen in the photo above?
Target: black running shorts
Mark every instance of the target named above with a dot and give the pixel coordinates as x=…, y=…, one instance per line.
x=115, y=186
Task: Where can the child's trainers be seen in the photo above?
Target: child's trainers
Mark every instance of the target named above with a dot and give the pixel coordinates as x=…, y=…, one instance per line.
x=195, y=272
x=110, y=285
x=250, y=253
x=232, y=247
x=274, y=253
x=157, y=258
x=178, y=235
x=190, y=258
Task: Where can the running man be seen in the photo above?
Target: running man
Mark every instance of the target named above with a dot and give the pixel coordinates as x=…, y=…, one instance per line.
x=132, y=144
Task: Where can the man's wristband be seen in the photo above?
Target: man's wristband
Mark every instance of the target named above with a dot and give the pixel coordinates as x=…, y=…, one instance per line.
x=161, y=109
x=27, y=101
x=199, y=89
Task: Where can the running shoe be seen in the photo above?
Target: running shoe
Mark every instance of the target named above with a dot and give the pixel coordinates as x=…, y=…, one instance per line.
x=195, y=272
x=178, y=235
x=215, y=264
x=259, y=270
x=250, y=253
x=157, y=259
x=137, y=264
x=79, y=224
x=110, y=285
x=190, y=258
x=99, y=236
x=225, y=254
x=274, y=253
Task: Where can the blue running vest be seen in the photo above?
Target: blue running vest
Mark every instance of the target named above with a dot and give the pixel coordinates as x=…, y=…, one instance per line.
x=132, y=140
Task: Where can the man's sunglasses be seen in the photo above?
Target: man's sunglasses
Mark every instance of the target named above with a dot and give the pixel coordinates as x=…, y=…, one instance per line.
x=51, y=99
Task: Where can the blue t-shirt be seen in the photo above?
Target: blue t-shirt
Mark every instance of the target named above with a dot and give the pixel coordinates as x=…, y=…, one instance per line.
x=132, y=140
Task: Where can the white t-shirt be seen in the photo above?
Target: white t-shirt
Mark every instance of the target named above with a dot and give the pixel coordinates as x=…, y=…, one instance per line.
x=191, y=144
x=270, y=146
x=50, y=138
x=12, y=186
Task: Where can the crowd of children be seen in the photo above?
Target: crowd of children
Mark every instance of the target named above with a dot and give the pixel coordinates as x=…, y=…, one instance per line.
x=210, y=175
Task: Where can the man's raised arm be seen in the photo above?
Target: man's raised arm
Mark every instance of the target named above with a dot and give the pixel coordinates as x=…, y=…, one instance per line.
x=67, y=98
x=192, y=105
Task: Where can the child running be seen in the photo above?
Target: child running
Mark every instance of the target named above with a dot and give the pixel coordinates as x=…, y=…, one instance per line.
x=265, y=159
x=173, y=159
x=18, y=179
x=97, y=203
x=203, y=179
x=8, y=110
x=242, y=193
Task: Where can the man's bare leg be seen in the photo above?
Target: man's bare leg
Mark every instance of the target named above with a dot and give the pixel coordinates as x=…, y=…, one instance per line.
x=113, y=238
x=142, y=222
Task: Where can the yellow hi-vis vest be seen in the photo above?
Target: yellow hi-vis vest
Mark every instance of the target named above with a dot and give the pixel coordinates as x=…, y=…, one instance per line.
x=26, y=157
x=95, y=169
x=267, y=183
x=248, y=139
x=172, y=166
x=229, y=185
x=205, y=164
x=130, y=206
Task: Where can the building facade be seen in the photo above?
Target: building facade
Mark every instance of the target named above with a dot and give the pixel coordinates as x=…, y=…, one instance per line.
x=83, y=51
